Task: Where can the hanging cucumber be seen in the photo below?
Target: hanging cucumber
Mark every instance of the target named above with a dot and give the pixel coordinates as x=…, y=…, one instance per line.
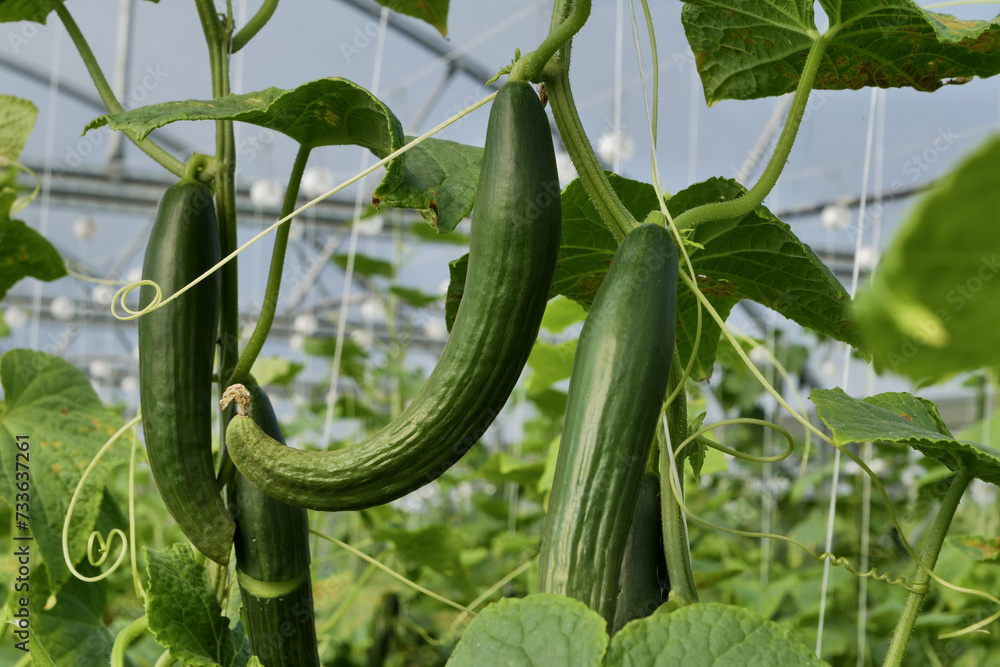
x=176, y=355
x=643, y=583
x=616, y=389
x=513, y=248
x=272, y=563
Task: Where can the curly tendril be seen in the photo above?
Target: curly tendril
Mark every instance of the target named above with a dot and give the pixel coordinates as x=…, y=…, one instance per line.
x=103, y=542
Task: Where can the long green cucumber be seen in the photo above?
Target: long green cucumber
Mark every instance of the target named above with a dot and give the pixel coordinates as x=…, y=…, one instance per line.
x=513, y=249
x=272, y=563
x=176, y=354
x=616, y=390
x=643, y=583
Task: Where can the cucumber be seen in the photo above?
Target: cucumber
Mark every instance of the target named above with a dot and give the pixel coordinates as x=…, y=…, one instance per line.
x=513, y=249
x=643, y=583
x=176, y=354
x=616, y=389
x=272, y=564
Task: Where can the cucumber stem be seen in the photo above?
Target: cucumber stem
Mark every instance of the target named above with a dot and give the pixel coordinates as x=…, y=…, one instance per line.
x=557, y=87
x=560, y=33
x=263, y=327
x=755, y=196
x=676, y=547
x=933, y=540
x=595, y=181
x=147, y=145
x=253, y=26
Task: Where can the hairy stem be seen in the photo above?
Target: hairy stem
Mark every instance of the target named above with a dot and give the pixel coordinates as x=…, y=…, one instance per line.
x=932, y=540
x=560, y=33
x=147, y=145
x=676, y=547
x=253, y=26
x=266, y=318
x=753, y=198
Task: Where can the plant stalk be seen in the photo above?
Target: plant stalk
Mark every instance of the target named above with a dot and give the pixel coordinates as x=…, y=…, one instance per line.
x=266, y=318
x=752, y=199
x=932, y=540
x=253, y=26
x=676, y=547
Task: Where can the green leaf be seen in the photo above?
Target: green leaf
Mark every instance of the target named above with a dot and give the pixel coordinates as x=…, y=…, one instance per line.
x=327, y=112
x=184, y=614
x=755, y=257
x=53, y=403
x=440, y=182
x=436, y=546
x=707, y=635
x=72, y=632
x=906, y=419
x=414, y=297
x=561, y=313
x=746, y=49
x=366, y=266
x=935, y=298
x=17, y=120
x=982, y=549
x=275, y=371
x=4, y=329
x=549, y=364
x=587, y=245
x=23, y=10
x=540, y=629
x=23, y=251
x=434, y=12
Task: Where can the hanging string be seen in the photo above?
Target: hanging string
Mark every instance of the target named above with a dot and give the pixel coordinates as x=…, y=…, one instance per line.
x=331, y=397
x=45, y=197
x=835, y=482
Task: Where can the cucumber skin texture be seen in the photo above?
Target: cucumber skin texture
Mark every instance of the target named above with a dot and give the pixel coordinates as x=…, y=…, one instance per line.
x=176, y=355
x=616, y=389
x=643, y=582
x=272, y=545
x=515, y=238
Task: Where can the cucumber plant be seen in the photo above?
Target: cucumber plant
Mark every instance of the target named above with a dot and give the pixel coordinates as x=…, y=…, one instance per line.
x=657, y=295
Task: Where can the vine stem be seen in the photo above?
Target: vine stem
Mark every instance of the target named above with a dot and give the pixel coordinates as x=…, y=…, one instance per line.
x=254, y=25
x=752, y=199
x=147, y=145
x=933, y=540
x=556, y=78
x=132, y=632
x=217, y=36
x=562, y=30
x=263, y=327
x=676, y=546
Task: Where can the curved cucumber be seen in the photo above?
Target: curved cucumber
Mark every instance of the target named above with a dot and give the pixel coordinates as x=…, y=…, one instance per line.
x=643, y=582
x=616, y=390
x=272, y=564
x=176, y=354
x=512, y=256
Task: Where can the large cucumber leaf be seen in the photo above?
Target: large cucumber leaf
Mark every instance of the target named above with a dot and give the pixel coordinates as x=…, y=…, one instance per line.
x=707, y=635
x=908, y=420
x=436, y=177
x=540, y=629
x=51, y=404
x=933, y=305
x=184, y=614
x=746, y=49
